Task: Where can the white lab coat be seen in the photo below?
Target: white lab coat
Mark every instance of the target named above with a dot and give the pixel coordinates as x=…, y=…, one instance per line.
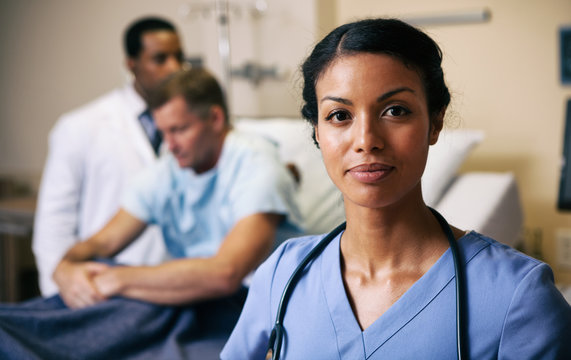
x=94, y=152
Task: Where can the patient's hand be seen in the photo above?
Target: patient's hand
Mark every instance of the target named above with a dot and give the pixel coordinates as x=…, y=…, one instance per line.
x=75, y=282
x=108, y=282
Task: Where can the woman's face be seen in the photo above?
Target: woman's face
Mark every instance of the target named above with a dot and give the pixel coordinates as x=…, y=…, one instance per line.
x=373, y=128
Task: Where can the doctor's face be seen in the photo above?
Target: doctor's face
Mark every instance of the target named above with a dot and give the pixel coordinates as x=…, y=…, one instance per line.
x=161, y=55
x=192, y=140
x=373, y=128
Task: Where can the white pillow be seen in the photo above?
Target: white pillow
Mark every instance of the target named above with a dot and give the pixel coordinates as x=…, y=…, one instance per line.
x=444, y=160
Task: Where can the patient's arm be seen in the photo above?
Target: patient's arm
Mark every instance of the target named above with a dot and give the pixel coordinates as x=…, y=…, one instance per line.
x=186, y=280
x=75, y=272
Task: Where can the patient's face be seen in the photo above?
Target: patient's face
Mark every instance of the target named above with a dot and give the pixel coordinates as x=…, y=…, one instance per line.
x=192, y=140
x=373, y=128
x=161, y=56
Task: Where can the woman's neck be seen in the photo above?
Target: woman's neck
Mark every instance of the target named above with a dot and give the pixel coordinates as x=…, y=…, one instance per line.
x=399, y=236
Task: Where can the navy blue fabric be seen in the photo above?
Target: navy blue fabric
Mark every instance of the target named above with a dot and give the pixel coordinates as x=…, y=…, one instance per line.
x=119, y=328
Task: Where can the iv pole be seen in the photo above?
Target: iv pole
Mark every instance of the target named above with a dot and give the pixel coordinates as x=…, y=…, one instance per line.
x=250, y=71
x=223, y=18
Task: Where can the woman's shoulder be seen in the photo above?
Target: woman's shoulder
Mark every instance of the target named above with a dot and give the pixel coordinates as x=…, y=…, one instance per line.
x=487, y=253
x=477, y=245
x=494, y=265
x=514, y=294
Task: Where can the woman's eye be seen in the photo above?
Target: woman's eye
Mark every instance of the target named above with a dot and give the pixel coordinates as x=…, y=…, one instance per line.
x=338, y=116
x=397, y=111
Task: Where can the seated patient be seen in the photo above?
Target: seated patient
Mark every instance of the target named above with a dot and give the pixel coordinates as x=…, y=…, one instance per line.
x=384, y=287
x=221, y=199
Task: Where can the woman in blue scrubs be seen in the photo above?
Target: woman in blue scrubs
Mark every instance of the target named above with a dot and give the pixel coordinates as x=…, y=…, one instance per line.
x=384, y=288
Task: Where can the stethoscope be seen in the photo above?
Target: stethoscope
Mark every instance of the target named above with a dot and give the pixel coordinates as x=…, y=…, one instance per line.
x=276, y=337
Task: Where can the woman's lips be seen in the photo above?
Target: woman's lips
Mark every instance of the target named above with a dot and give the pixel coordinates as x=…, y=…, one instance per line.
x=370, y=173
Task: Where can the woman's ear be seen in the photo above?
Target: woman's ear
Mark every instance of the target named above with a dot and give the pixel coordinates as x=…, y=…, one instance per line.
x=436, y=124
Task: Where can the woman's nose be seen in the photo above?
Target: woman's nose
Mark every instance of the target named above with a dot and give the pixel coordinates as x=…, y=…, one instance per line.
x=367, y=134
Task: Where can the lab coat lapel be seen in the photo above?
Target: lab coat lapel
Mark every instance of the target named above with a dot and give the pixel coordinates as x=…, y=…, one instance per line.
x=127, y=117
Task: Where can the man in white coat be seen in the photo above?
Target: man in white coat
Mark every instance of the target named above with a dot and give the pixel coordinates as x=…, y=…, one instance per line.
x=95, y=150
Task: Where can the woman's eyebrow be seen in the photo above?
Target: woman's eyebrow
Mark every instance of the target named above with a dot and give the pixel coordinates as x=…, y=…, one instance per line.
x=337, y=99
x=385, y=96
x=394, y=92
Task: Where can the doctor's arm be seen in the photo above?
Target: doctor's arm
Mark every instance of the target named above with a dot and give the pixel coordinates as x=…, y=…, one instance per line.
x=76, y=272
x=183, y=281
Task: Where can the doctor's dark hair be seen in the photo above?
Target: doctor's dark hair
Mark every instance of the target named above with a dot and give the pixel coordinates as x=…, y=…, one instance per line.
x=132, y=40
x=377, y=36
x=197, y=86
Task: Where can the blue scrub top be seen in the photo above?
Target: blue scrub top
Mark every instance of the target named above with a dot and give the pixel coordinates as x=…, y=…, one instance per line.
x=514, y=309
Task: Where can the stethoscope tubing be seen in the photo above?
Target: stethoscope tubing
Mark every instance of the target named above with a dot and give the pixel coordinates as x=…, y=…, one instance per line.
x=461, y=343
x=277, y=331
x=276, y=336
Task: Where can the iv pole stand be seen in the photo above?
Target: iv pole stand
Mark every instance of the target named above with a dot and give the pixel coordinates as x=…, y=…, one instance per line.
x=222, y=16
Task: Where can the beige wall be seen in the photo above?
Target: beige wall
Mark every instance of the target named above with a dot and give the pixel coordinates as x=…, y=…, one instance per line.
x=504, y=75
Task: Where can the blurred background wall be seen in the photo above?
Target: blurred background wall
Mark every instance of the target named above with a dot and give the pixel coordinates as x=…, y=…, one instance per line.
x=504, y=75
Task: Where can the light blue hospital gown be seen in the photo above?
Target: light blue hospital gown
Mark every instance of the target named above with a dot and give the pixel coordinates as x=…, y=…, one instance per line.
x=514, y=310
x=196, y=211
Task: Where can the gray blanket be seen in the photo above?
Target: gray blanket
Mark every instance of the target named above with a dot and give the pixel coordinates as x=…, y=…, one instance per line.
x=116, y=329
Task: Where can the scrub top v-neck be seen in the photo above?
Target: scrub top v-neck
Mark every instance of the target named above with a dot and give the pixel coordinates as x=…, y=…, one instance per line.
x=354, y=343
